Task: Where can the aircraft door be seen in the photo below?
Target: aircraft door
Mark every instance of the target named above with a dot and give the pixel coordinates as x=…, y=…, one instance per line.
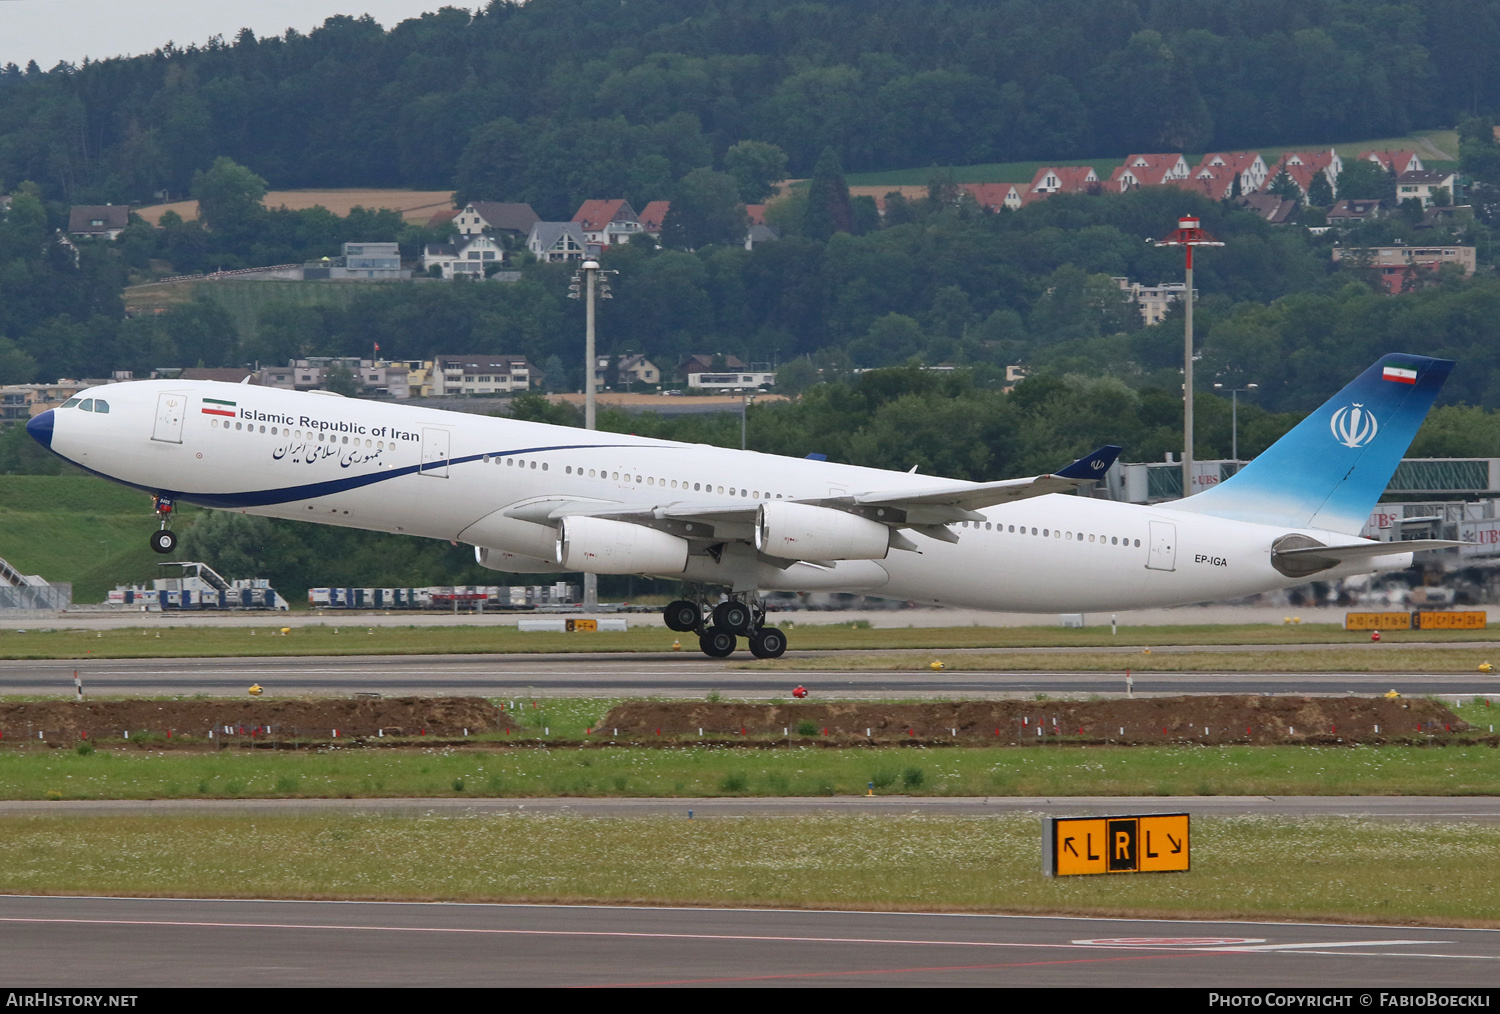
x=1163, y=551
x=435, y=443
x=170, y=411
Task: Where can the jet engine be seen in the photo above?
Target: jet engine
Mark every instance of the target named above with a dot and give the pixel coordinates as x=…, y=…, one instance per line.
x=799, y=531
x=601, y=546
x=512, y=563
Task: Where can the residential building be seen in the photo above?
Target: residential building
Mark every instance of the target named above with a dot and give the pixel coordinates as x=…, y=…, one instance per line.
x=1353, y=210
x=98, y=221
x=372, y=378
x=1152, y=300
x=19, y=402
x=1061, y=180
x=1215, y=184
x=1396, y=162
x=607, y=223
x=552, y=242
x=1302, y=166
x=631, y=369
x=483, y=374
x=1399, y=268
x=465, y=256
x=655, y=213
x=1424, y=184
x=701, y=363
x=1274, y=209
x=758, y=234
x=996, y=196
x=1149, y=171
x=1247, y=165
x=478, y=217
x=223, y=374
x=731, y=380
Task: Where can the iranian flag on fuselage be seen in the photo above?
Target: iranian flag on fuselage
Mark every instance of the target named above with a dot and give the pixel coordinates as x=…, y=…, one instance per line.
x=1400, y=374
x=217, y=406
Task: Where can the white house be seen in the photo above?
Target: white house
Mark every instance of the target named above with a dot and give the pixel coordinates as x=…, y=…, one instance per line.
x=464, y=255
x=552, y=242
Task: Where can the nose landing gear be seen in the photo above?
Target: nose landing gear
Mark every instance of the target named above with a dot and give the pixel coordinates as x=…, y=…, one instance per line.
x=730, y=620
x=164, y=540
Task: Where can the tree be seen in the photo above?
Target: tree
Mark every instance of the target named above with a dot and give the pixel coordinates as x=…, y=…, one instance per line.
x=828, y=206
x=705, y=209
x=1319, y=193
x=1365, y=180
x=756, y=167
x=796, y=376
x=1283, y=186
x=229, y=195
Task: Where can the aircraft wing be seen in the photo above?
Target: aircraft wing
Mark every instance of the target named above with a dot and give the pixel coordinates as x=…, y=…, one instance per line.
x=955, y=501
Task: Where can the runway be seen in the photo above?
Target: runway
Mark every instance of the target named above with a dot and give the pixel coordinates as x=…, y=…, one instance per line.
x=1432, y=809
x=128, y=942
x=667, y=674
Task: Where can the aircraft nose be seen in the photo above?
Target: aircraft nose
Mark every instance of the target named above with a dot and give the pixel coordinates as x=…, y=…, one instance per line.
x=40, y=428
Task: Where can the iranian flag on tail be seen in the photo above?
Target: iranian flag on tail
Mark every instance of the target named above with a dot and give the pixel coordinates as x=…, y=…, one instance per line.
x=217, y=406
x=1400, y=374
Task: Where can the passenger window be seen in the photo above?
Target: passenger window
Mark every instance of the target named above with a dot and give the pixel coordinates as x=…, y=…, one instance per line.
x=1137, y=543
x=697, y=486
x=87, y=405
x=533, y=466
x=1012, y=528
x=1113, y=541
x=100, y=405
x=1044, y=533
x=591, y=473
x=1033, y=531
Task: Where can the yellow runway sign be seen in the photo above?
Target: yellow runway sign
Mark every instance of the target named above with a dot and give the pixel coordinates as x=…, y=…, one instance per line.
x=1139, y=843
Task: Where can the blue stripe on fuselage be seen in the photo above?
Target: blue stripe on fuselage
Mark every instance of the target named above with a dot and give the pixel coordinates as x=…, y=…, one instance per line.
x=314, y=490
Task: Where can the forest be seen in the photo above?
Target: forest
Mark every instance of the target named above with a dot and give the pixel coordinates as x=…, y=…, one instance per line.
x=554, y=101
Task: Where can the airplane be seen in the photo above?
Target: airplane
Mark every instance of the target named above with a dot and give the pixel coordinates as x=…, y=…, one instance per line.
x=536, y=498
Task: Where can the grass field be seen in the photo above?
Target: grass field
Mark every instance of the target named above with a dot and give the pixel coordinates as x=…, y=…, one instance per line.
x=1242, y=867
x=78, y=528
x=689, y=771
x=345, y=635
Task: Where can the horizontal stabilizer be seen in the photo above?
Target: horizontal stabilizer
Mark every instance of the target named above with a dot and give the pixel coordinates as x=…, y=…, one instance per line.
x=1362, y=550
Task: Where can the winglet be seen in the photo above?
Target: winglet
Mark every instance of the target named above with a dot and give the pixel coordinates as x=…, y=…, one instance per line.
x=1091, y=466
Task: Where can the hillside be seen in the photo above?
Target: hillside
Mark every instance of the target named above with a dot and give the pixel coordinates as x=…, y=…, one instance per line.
x=78, y=528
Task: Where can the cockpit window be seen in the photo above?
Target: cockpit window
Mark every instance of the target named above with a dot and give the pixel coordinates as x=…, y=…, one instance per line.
x=70, y=403
x=88, y=405
x=100, y=405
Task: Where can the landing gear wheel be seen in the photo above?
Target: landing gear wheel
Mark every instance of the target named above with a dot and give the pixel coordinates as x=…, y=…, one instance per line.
x=734, y=616
x=682, y=616
x=717, y=642
x=767, y=642
x=163, y=541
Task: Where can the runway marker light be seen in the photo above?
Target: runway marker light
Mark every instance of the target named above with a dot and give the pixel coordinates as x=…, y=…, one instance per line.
x=1391, y=694
x=935, y=666
x=284, y=631
x=1374, y=635
x=690, y=815
x=255, y=690
x=1486, y=667
x=870, y=791
x=676, y=645
x=799, y=692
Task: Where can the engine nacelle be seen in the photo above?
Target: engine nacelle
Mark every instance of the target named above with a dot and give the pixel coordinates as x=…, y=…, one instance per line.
x=601, y=546
x=799, y=531
x=513, y=563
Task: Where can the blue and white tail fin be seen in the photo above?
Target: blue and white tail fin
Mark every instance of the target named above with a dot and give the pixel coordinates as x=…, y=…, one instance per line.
x=1331, y=469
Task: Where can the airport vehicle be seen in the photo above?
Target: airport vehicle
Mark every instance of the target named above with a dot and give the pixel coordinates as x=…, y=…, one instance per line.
x=535, y=498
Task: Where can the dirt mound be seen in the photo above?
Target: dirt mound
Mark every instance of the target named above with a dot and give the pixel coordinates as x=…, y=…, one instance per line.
x=306, y=719
x=1197, y=719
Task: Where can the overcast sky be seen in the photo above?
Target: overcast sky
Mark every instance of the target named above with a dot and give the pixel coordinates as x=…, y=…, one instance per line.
x=51, y=30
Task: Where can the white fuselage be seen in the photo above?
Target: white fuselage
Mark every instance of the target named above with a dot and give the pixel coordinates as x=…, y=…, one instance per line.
x=460, y=477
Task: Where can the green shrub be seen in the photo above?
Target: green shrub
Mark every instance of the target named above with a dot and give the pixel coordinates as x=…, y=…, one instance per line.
x=735, y=781
x=84, y=749
x=912, y=777
x=807, y=728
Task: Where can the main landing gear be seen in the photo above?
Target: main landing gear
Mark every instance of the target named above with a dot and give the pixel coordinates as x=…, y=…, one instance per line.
x=728, y=622
x=164, y=540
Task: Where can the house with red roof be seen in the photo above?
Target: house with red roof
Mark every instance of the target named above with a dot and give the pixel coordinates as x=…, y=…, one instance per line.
x=995, y=196
x=607, y=223
x=1302, y=166
x=655, y=213
x=1074, y=179
x=1248, y=165
x=1216, y=185
x=1397, y=162
x=1148, y=171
